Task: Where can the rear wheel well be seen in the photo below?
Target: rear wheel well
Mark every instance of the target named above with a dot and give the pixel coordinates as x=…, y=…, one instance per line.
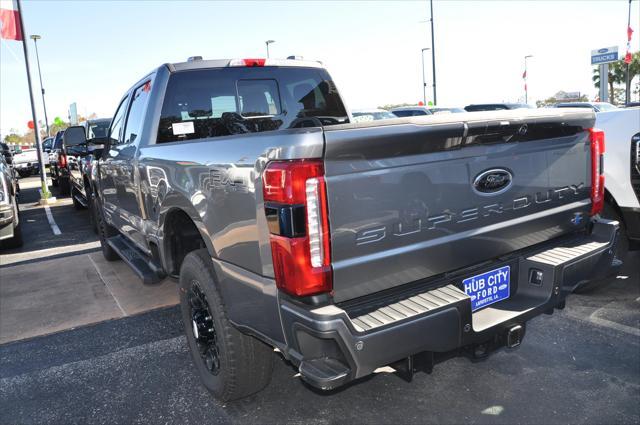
x=181, y=236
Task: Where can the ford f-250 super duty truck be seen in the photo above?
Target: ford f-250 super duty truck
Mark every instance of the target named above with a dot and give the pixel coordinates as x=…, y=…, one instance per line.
x=346, y=246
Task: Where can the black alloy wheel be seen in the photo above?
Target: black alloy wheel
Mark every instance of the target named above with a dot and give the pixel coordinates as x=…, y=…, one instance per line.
x=203, y=328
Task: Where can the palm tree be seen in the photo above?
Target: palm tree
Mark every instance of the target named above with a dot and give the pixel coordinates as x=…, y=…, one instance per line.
x=618, y=73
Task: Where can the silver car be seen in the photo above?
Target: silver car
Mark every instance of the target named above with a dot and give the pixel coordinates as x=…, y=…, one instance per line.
x=10, y=233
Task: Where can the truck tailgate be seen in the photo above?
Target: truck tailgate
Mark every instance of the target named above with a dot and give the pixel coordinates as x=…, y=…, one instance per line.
x=414, y=198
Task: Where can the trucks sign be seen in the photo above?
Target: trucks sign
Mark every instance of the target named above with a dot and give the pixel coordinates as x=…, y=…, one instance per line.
x=604, y=55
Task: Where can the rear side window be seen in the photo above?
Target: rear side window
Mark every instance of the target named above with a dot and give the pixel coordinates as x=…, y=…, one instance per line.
x=410, y=113
x=207, y=103
x=135, y=117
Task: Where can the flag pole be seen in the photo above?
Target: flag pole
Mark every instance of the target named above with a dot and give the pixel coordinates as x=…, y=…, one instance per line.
x=36, y=130
x=627, y=93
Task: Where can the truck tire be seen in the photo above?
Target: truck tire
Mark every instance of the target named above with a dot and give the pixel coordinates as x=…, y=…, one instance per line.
x=64, y=186
x=105, y=231
x=231, y=365
x=16, y=241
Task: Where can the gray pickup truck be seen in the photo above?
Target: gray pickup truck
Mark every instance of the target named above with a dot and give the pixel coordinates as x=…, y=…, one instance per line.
x=345, y=246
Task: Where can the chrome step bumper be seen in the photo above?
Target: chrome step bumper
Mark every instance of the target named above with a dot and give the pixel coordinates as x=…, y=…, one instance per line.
x=428, y=301
x=354, y=340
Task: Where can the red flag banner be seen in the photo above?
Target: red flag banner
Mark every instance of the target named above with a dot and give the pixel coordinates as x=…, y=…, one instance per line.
x=10, y=20
x=627, y=57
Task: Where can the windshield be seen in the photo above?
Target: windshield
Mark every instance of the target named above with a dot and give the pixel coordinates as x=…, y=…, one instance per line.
x=606, y=106
x=227, y=101
x=98, y=129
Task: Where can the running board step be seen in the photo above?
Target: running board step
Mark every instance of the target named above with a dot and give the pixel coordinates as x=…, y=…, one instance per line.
x=325, y=373
x=430, y=300
x=146, y=269
x=80, y=199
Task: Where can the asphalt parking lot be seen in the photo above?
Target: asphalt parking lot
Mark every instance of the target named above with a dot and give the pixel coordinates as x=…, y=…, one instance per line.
x=83, y=341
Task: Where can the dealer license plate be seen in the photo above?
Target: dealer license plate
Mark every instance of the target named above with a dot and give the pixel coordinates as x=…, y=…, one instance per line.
x=488, y=288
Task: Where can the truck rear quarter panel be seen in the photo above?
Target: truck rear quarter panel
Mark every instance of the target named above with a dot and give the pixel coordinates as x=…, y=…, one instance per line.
x=218, y=183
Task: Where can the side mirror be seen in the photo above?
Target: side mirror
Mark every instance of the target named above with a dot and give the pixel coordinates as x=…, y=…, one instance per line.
x=8, y=157
x=74, y=136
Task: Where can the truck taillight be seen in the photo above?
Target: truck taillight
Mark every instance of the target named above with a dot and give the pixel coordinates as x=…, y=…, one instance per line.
x=597, y=170
x=63, y=161
x=295, y=198
x=247, y=62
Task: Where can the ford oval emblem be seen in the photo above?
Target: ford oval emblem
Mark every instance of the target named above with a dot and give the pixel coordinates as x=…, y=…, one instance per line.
x=492, y=182
x=603, y=50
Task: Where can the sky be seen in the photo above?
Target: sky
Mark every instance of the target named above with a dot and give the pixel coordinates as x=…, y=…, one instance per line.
x=91, y=52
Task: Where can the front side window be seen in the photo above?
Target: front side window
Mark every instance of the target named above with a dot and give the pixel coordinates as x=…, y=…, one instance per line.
x=207, y=103
x=116, y=123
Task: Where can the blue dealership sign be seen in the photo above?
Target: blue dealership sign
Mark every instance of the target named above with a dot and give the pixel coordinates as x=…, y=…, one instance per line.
x=604, y=55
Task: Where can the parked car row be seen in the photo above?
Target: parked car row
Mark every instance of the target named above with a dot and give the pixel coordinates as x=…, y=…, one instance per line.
x=374, y=114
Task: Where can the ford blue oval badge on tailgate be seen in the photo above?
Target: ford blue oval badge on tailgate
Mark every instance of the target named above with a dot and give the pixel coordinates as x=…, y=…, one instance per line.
x=492, y=182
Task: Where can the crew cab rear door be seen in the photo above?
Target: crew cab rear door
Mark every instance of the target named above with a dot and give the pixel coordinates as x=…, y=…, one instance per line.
x=424, y=196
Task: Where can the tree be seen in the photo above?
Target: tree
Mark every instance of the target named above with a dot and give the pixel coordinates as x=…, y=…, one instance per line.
x=618, y=75
x=57, y=125
x=559, y=97
x=398, y=105
x=13, y=139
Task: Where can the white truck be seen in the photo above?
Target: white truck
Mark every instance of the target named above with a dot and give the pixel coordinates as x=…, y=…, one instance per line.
x=26, y=163
x=622, y=173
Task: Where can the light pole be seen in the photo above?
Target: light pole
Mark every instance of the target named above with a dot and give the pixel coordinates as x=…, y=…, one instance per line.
x=627, y=92
x=526, y=89
x=267, y=43
x=35, y=39
x=433, y=55
x=424, y=81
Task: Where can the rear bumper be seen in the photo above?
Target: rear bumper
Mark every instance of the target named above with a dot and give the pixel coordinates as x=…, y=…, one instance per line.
x=26, y=166
x=7, y=219
x=331, y=346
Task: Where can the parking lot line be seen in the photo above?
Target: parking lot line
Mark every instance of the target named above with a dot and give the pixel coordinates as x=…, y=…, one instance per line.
x=107, y=285
x=43, y=254
x=131, y=295
x=52, y=222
